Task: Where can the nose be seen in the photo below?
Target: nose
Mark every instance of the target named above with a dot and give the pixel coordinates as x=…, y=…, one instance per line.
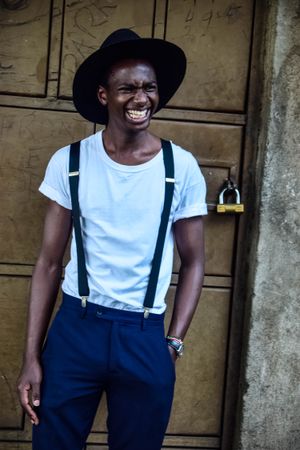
x=140, y=97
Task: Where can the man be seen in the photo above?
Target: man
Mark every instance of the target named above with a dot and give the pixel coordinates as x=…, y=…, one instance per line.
x=113, y=341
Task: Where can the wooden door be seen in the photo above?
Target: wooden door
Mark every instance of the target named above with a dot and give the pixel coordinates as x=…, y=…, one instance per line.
x=42, y=44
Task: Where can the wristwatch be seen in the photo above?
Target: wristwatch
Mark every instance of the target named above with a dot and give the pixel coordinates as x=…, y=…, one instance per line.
x=176, y=343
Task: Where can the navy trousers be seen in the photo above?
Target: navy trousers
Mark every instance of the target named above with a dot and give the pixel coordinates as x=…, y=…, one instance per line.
x=109, y=350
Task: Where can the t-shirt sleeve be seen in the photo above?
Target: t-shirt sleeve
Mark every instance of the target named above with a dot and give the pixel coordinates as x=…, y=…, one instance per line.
x=56, y=181
x=193, y=195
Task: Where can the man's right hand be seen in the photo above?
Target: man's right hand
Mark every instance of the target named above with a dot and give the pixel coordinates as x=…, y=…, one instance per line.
x=29, y=383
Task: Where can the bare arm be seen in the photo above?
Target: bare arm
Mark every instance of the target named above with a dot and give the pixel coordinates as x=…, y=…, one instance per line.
x=189, y=236
x=44, y=286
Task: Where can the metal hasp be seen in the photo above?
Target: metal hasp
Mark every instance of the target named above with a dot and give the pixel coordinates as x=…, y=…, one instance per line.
x=230, y=208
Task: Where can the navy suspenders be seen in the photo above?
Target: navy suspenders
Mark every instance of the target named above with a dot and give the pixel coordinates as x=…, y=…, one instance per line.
x=169, y=189
x=83, y=287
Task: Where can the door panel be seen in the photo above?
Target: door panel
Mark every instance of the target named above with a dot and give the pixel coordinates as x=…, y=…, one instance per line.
x=13, y=313
x=200, y=373
x=216, y=38
x=219, y=245
x=27, y=140
x=43, y=43
x=24, y=37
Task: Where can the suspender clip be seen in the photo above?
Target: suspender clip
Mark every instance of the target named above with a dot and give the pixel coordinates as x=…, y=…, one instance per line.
x=146, y=312
x=74, y=174
x=83, y=301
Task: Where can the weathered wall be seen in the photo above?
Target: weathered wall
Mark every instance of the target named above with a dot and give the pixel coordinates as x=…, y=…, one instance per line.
x=269, y=416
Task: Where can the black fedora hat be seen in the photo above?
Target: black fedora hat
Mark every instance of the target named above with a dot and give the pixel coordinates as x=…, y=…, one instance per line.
x=168, y=60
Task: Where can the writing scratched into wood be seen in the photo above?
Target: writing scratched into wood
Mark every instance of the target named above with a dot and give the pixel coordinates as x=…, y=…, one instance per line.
x=231, y=13
x=88, y=20
x=84, y=22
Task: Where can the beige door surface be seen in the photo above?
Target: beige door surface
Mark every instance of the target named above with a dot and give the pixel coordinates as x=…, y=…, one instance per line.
x=42, y=44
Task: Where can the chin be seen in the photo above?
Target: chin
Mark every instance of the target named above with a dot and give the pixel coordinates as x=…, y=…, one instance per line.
x=139, y=127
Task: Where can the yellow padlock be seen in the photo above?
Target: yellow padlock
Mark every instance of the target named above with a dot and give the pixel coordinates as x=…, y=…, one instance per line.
x=236, y=207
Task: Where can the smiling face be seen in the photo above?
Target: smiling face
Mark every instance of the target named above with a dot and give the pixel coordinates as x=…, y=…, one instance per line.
x=130, y=94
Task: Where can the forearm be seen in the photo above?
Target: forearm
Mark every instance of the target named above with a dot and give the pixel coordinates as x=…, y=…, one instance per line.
x=44, y=288
x=186, y=299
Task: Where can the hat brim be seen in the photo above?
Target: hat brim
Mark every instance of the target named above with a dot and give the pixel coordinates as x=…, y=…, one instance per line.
x=168, y=60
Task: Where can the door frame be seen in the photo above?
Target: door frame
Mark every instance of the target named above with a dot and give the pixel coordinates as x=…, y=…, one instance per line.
x=246, y=239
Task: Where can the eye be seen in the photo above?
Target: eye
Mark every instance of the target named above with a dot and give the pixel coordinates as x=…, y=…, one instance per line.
x=125, y=89
x=151, y=87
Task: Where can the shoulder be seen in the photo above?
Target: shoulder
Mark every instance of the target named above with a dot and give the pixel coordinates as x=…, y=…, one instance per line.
x=184, y=161
x=61, y=156
x=182, y=156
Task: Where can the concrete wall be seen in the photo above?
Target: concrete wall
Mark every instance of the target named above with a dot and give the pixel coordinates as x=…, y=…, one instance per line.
x=269, y=417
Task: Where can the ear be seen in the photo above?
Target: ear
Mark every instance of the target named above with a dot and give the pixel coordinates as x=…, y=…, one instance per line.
x=102, y=96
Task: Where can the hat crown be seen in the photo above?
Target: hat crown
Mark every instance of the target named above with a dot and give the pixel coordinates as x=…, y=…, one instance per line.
x=118, y=36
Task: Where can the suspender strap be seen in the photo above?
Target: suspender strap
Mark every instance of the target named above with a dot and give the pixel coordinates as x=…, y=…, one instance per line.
x=83, y=287
x=156, y=262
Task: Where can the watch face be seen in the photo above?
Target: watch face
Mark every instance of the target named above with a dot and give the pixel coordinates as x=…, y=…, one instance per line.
x=178, y=346
x=180, y=350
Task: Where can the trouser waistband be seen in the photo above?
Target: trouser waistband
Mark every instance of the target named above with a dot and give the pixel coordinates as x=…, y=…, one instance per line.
x=93, y=309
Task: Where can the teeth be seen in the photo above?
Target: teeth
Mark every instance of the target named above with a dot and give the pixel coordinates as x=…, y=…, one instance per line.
x=136, y=114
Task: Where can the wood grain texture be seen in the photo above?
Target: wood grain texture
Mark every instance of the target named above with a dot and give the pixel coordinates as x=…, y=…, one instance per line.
x=215, y=36
x=197, y=407
x=13, y=304
x=28, y=139
x=219, y=245
x=24, y=34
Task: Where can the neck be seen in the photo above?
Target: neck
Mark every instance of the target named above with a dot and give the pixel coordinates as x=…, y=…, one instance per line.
x=130, y=148
x=125, y=142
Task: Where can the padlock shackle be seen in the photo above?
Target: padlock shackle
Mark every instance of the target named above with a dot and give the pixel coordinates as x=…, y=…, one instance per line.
x=237, y=196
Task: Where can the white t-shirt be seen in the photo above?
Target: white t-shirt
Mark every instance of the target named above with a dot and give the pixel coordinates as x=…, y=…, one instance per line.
x=120, y=215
